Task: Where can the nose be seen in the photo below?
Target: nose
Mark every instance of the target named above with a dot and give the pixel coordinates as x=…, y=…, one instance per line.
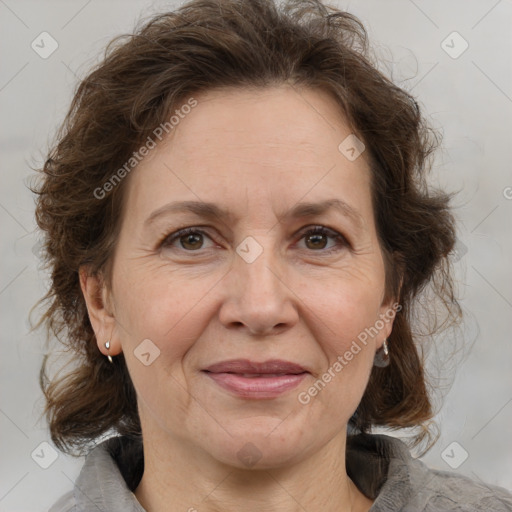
x=258, y=298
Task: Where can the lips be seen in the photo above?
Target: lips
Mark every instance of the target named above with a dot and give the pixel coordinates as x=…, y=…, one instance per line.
x=275, y=367
x=256, y=381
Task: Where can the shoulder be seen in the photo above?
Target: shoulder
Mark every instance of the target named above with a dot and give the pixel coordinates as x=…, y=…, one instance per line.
x=65, y=503
x=449, y=491
x=432, y=490
x=110, y=473
x=384, y=469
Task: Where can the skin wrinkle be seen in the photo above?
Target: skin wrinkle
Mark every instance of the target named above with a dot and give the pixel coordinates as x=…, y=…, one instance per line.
x=214, y=306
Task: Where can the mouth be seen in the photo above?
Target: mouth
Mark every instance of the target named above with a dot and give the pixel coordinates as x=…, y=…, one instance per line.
x=252, y=380
x=247, y=367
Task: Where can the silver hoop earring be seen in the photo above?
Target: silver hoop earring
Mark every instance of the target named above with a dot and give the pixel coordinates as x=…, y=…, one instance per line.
x=107, y=346
x=381, y=358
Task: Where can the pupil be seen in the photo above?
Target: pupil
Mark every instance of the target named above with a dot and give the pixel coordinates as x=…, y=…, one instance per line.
x=191, y=239
x=316, y=237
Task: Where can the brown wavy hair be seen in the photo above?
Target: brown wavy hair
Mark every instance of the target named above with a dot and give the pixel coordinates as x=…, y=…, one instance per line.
x=142, y=78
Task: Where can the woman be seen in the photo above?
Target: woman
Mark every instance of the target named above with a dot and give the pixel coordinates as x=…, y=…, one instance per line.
x=237, y=226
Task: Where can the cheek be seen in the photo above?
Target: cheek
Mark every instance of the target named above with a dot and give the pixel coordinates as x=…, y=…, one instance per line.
x=168, y=310
x=348, y=352
x=342, y=305
x=162, y=307
x=341, y=312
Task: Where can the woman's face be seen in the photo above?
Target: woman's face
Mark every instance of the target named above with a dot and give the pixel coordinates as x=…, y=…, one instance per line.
x=253, y=283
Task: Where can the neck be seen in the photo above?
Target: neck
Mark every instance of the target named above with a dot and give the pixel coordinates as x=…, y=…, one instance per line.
x=180, y=477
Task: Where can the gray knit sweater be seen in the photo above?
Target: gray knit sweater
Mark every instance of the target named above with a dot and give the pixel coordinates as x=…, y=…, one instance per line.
x=381, y=466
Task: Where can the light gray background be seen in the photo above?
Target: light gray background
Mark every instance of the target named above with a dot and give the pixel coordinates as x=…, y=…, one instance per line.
x=469, y=98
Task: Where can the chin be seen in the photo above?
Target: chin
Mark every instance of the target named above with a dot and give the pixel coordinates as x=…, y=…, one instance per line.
x=251, y=455
x=269, y=444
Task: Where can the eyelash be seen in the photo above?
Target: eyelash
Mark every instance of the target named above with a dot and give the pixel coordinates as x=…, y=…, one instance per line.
x=314, y=230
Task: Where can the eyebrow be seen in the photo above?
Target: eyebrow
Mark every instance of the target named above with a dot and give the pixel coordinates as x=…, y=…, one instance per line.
x=213, y=211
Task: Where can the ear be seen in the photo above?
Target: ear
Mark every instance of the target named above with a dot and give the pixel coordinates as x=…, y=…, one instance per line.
x=101, y=316
x=387, y=313
x=386, y=319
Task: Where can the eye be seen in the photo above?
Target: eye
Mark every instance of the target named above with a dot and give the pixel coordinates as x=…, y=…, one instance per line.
x=190, y=239
x=316, y=238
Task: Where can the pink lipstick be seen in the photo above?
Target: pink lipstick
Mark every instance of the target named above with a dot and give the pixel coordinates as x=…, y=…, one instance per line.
x=253, y=380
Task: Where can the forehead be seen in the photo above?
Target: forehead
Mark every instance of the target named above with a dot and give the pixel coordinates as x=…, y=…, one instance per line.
x=249, y=146
x=279, y=117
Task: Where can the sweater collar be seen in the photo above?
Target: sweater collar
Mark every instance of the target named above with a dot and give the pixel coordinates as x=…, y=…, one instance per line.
x=379, y=465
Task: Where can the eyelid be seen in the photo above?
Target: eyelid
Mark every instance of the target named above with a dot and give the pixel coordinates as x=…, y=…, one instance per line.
x=322, y=229
x=169, y=238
